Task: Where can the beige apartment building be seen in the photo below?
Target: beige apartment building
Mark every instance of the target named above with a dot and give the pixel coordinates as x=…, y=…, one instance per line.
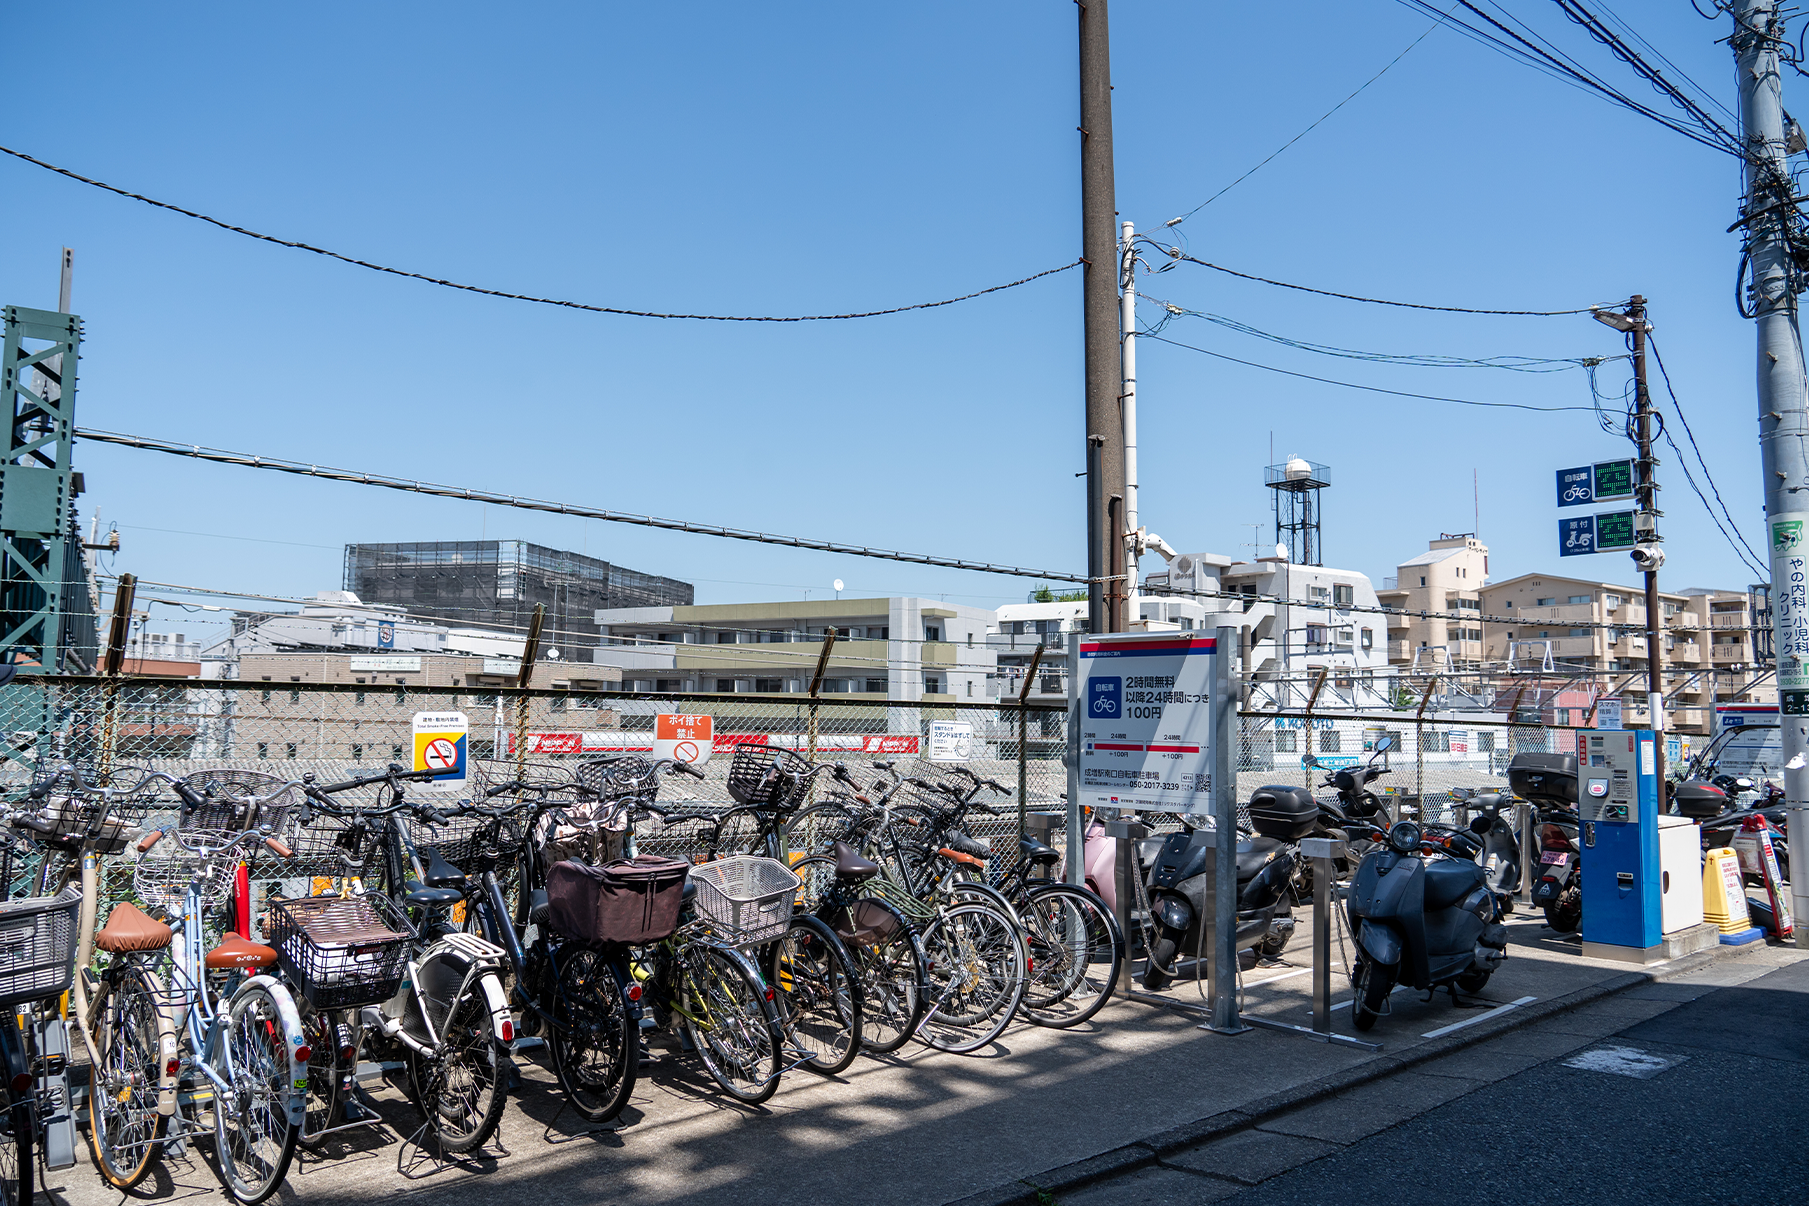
x=1598, y=630
x=1447, y=578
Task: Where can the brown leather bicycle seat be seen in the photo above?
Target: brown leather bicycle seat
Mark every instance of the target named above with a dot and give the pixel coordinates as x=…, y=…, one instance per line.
x=234, y=951
x=129, y=929
x=849, y=865
x=959, y=857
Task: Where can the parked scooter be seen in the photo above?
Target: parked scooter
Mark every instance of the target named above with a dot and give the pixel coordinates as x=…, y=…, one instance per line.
x=1500, y=844
x=1280, y=816
x=1720, y=810
x=1423, y=915
x=1549, y=782
x=1355, y=802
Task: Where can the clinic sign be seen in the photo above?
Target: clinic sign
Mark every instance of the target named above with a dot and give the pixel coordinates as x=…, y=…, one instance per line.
x=1145, y=732
x=1789, y=531
x=440, y=746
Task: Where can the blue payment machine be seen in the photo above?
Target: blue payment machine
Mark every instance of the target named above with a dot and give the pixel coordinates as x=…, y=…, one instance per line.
x=1617, y=813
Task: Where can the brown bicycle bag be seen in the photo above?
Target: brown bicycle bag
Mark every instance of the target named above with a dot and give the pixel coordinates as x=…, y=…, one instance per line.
x=629, y=901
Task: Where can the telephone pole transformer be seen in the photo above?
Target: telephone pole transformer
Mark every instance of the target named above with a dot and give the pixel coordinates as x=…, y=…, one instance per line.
x=1770, y=220
x=1100, y=309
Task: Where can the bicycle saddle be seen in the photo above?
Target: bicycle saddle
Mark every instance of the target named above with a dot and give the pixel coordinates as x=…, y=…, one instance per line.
x=968, y=846
x=129, y=929
x=440, y=873
x=432, y=897
x=235, y=951
x=849, y=865
x=1037, y=852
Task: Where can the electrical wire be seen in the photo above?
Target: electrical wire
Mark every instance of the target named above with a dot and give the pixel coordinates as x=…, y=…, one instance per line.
x=1607, y=37
x=1176, y=253
x=1375, y=389
x=1172, y=222
x=544, y=301
x=1664, y=374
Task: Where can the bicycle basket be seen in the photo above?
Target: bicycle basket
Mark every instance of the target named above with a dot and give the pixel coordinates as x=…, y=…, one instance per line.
x=161, y=879
x=458, y=839
x=592, y=832
x=37, y=946
x=231, y=802
x=342, y=950
x=746, y=899
x=494, y=772
x=620, y=778
x=768, y=777
x=74, y=817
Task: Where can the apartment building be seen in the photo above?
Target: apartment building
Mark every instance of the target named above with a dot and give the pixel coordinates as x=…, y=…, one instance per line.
x=1598, y=630
x=890, y=649
x=1447, y=578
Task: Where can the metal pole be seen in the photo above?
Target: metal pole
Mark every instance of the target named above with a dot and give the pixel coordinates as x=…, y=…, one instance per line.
x=1077, y=838
x=1036, y=659
x=523, y=676
x=1783, y=396
x=1128, y=406
x=1222, y=712
x=1098, y=237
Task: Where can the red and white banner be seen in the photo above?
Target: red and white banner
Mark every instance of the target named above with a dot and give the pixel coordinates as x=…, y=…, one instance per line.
x=547, y=743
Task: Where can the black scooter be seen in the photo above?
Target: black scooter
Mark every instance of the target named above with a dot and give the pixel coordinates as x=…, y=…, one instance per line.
x=1355, y=802
x=1423, y=915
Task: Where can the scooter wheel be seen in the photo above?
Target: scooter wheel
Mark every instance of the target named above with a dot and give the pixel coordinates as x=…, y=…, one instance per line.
x=1374, y=983
x=1563, y=917
x=1160, y=969
x=1473, y=981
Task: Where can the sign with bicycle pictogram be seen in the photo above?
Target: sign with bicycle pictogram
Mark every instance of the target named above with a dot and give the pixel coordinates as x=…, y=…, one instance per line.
x=440, y=746
x=1145, y=737
x=684, y=738
x=1601, y=482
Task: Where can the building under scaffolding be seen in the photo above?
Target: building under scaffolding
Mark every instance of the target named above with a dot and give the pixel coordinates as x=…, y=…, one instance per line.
x=496, y=583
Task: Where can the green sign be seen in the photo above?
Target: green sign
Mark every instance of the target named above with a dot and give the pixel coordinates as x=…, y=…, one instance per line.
x=1614, y=531
x=1613, y=479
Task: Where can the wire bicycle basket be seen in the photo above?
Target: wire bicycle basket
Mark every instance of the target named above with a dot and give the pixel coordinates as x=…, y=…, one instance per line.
x=37, y=946
x=343, y=951
x=767, y=776
x=745, y=899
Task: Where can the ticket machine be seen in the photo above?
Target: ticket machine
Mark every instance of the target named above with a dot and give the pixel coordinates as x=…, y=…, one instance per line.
x=1617, y=813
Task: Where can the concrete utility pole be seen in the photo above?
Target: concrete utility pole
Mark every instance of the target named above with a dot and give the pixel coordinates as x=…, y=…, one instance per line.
x=1128, y=409
x=1768, y=217
x=1099, y=250
x=1646, y=553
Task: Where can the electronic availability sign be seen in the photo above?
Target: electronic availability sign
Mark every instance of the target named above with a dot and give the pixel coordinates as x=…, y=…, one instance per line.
x=1603, y=482
x=1145, y=736
x=1582, y=534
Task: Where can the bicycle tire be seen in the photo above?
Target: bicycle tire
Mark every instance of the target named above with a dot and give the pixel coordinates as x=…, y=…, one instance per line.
x=972, y=891
x=18, y=1125
x=255, y=1141
x=815, y=829
x=730, y=1021
x=818, y=994
x=324, y=1109
x=124, y=1127
x=461, y=1092
x=1065, y=941
x=977, y=970
x=596, y=1053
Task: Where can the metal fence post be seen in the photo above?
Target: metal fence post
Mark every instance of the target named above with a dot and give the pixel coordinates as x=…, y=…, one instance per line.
x=123, y=595
x=1036, y=659
x=523, y=677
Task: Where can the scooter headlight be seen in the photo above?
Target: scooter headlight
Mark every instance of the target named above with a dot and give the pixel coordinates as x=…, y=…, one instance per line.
x=1404, y=838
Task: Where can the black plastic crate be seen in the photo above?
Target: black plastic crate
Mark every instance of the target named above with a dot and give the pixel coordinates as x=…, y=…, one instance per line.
x=37, y=947
x=341, y=951
x=767, y=776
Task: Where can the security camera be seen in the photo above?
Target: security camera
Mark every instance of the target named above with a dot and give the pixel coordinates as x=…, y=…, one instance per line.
x=1647, y=557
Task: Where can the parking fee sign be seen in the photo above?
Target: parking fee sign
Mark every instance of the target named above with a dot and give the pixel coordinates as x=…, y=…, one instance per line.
x=440, y=739
x=683, y=738
x=1145, y=739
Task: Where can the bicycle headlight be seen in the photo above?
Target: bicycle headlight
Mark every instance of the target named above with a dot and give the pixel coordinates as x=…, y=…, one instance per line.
x=1404, y=838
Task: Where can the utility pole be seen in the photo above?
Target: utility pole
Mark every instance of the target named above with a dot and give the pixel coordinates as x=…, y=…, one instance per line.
x=1133, y=544
x=1768, y=216
x=1646, y=553
x=1099, y=243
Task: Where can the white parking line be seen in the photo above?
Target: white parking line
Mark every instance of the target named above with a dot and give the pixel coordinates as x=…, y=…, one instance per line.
x=1284, y=976
x=1481, y=1017
x=1346, y=1004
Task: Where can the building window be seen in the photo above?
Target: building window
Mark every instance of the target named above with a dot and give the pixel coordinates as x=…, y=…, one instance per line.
x=265, y=696
x=1330, y=741
x=1315, y=634
x=1422, y=579
x=725, y=638
x=395, y=753
x=1545, y=602
x=932, y=632
x=1287, y=741
x=1578, y=599
x=263, y=749
x=357, y=752
x=970, y=640
x=769, y=686
x=725, y=684
x=295, y=697
x=933, y=684
x=876, y=686
x=1186, y=623
x=880, y=633
x=289, y=750
x=667, y=684
x=1611, y=602
x=1343, y=594
x=1369, y=638
x=1579, y=632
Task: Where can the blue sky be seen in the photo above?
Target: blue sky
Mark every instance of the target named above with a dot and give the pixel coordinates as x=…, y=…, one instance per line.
x=820, y=157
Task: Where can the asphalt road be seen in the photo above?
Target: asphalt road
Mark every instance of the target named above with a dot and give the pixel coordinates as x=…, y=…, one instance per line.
x=1703, y=1102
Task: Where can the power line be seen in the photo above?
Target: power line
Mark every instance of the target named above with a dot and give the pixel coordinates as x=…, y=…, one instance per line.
x=1755, y=560
x=544, y=301
x=1315, y=125
x=1374, y=389
x=1177, y=254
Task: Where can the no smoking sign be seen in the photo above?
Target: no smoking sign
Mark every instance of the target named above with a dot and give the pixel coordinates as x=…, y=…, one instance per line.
x=440, y=742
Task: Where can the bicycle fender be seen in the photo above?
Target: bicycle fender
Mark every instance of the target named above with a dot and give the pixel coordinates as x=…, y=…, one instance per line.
x=293, y=1040
x=169, y=1050
x=502, y=1022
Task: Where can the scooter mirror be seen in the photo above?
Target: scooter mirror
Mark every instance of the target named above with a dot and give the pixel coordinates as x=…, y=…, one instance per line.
x=1308, y=760
x=1384, y=744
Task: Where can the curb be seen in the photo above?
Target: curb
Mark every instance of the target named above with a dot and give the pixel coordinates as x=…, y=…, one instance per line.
x=1140, y=1153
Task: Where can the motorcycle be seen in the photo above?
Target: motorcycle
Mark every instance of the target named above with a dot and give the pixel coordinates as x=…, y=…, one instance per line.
x=1355, y=802
x=1281, y=816
x=1500, y=845
x=1423, y=915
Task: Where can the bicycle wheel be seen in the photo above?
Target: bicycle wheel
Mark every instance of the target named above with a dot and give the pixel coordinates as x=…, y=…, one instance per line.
x=813, y=830
x=890, y=962
x=325, y=1109
x=596, y=1052
x=731, y=1023
x=978, y=966
x=818, y=994
x=16, y=1127
x=123, y=1123
x=817, y=874
x=255, y=1139
x=462, y=1089
x=972, y=891
x=1076, y=953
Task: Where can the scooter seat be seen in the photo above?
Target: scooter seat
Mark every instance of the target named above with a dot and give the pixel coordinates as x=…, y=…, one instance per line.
x=1038, y=853
x=1261, y=851
x=1449, y=880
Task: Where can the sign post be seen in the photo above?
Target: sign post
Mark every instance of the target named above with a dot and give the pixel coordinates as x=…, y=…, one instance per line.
x=440, y=745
